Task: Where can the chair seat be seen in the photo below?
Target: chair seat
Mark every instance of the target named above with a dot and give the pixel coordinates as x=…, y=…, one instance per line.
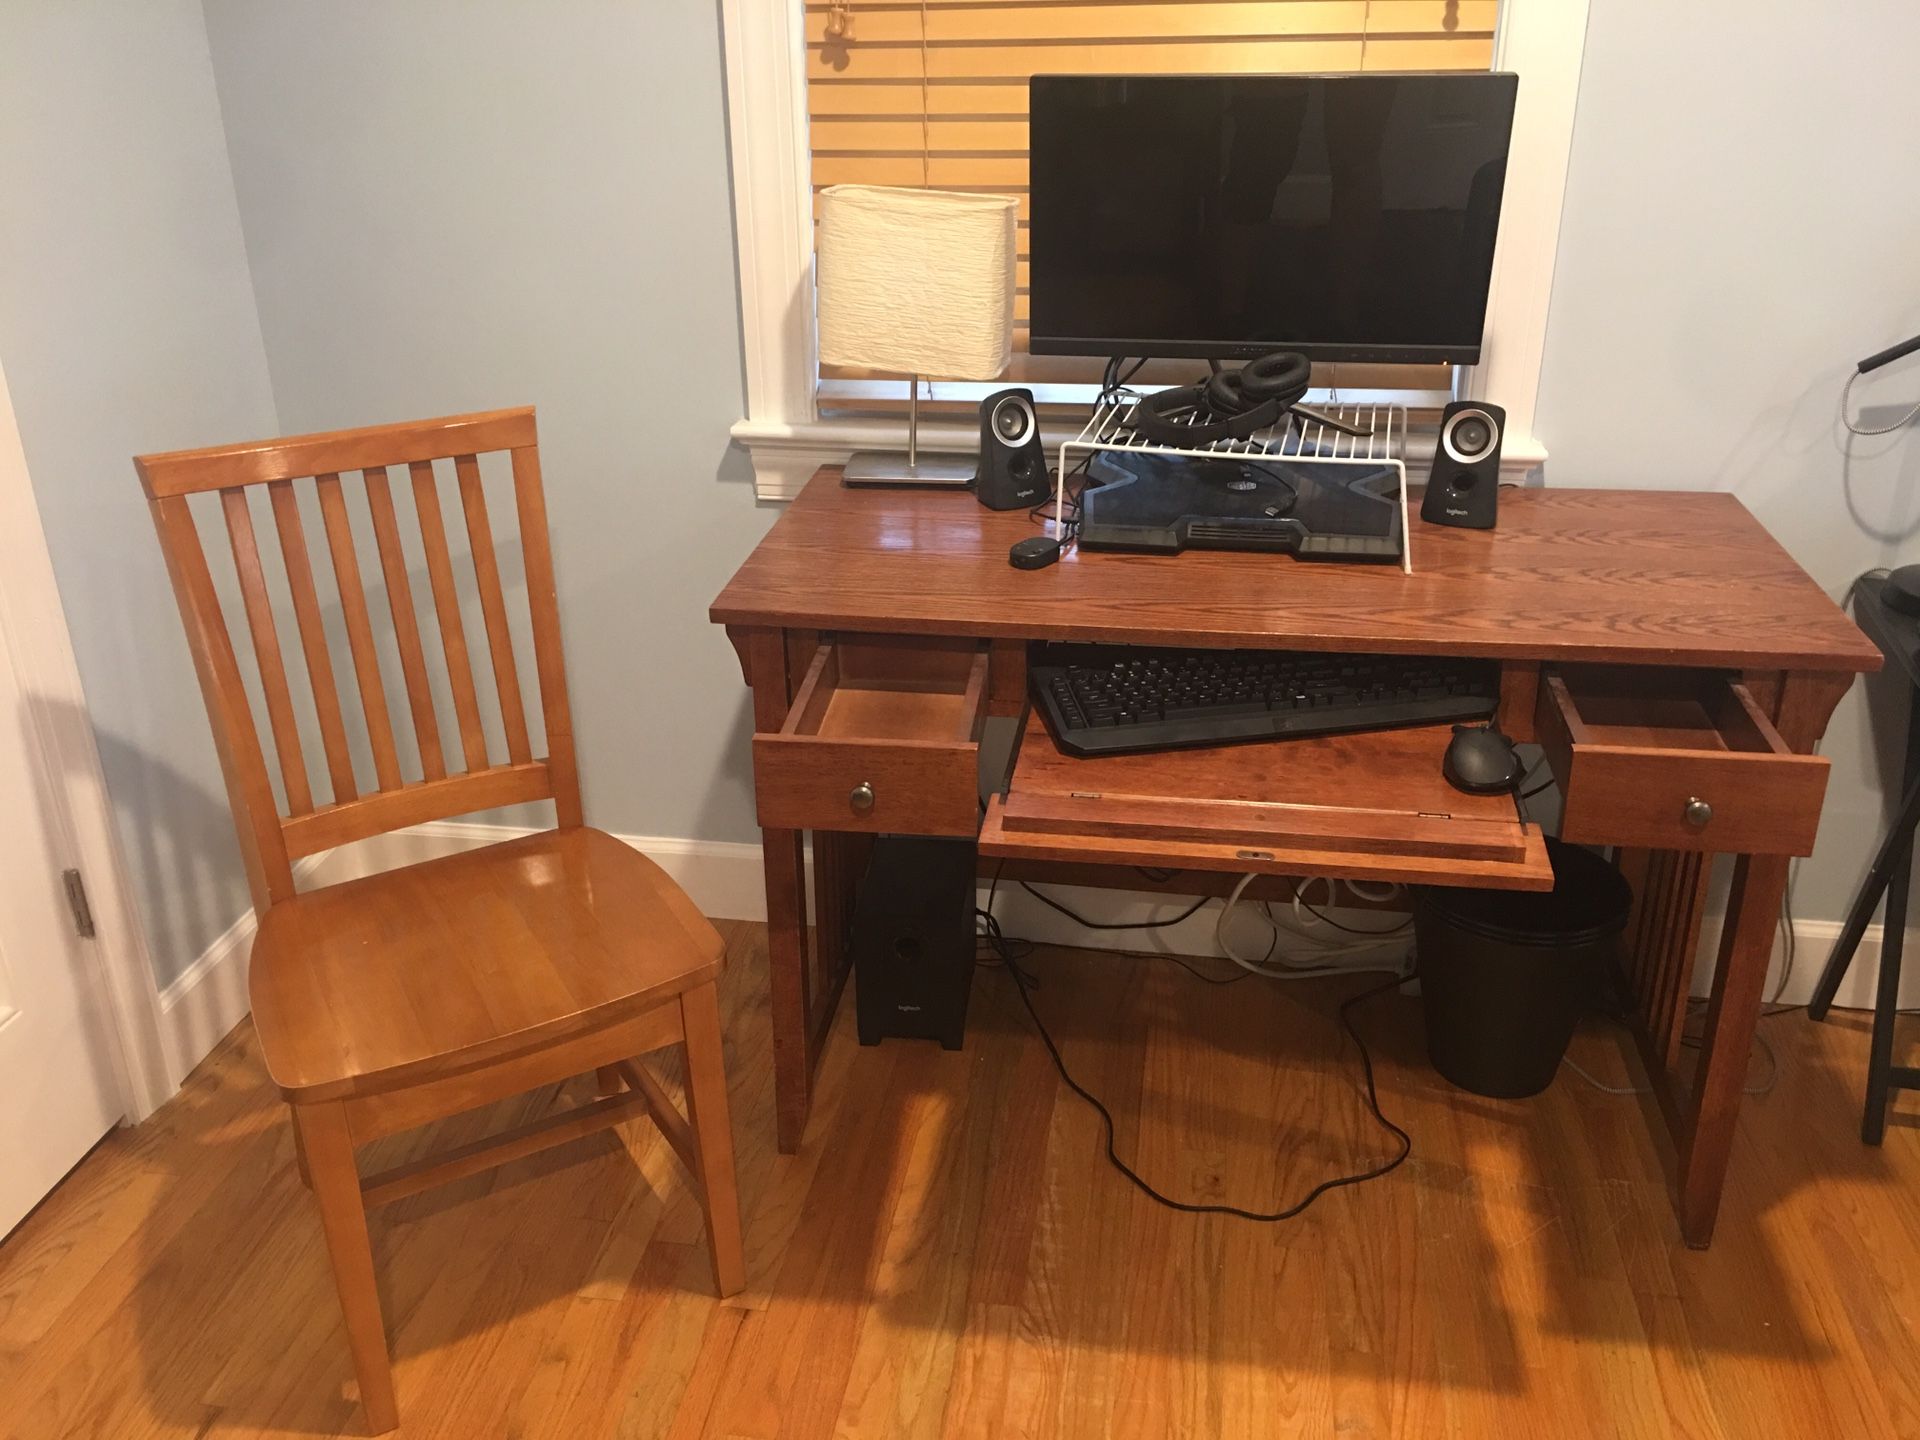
x=385, y=981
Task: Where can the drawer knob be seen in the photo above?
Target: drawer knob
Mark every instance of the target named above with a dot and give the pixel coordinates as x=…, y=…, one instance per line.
x=861, y=798
x=1698, y=812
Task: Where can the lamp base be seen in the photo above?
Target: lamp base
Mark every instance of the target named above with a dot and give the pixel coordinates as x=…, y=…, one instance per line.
x=942, y=472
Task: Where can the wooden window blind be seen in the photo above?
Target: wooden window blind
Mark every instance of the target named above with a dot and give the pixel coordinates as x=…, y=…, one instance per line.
x=934, y=93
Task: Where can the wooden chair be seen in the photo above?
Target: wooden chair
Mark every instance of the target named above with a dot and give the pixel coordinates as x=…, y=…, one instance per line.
x=387, y=1002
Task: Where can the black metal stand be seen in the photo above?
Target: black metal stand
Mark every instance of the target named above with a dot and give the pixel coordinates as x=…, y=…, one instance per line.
x=1890, y=876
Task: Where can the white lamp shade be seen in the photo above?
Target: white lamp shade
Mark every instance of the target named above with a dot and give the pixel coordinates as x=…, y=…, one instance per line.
x=916, y=281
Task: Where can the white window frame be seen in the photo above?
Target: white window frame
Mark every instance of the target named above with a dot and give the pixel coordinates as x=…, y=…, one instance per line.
x=1540, y=40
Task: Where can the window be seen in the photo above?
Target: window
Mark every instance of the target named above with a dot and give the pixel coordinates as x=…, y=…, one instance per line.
x=934, y=91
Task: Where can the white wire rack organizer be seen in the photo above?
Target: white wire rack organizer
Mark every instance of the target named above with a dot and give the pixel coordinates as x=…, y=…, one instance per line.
x=1110, y=428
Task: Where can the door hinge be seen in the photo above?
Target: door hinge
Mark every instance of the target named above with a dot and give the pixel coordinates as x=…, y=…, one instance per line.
x=77, y=901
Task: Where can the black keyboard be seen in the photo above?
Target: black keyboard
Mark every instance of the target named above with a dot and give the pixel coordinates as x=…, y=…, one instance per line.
x=1106, y=699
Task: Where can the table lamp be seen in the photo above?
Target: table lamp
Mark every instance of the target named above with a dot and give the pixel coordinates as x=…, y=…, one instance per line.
x=920, y=282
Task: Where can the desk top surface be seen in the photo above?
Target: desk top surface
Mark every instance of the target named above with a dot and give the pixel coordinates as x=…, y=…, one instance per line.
x=1630, y=576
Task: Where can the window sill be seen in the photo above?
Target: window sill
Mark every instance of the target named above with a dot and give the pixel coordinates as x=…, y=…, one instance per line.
x=785, y=455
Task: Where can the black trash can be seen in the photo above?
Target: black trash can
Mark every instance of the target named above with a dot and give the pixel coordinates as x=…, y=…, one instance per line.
x=1503, y=973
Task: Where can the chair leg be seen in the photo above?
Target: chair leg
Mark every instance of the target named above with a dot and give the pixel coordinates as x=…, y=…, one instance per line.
x=300, y=1158
x=713, y=1136
x=336, y=1189
x=1886, y=1003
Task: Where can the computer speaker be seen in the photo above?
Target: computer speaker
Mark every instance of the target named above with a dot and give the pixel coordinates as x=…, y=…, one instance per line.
x=912, y=940
x=1464, y=488
x=1013, y=463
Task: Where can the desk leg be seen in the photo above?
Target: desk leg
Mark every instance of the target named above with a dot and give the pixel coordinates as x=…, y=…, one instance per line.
x=787, y=970
x=1739, y=982
x=766, y=655
x=1802, y=703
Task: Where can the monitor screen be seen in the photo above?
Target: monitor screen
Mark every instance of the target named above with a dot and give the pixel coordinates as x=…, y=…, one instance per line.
x=1351, y=217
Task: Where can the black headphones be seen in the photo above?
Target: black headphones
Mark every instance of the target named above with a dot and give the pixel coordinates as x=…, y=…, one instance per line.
x=1229, y=405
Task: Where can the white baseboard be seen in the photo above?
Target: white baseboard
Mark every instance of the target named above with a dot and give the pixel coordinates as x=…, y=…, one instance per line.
x=1020, y=914
x=1813, y=943
x=203, y=1004
x=207, y=999
x=725, y=880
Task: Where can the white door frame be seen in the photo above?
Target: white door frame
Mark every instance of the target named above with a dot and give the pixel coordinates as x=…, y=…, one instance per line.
x=85, y=833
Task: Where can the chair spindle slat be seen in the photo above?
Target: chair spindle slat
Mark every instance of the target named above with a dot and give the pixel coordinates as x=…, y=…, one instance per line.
x=406, y=626
x=446, y=607
x=543, y=604
x=313, y=638
x=266, y=651
x=263, y=847
x=282, y=821
x=353, y=606
x=493, y=606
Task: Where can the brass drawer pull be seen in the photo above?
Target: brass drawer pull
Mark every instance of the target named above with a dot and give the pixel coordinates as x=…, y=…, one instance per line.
x=1697, y=813
x=862, y=798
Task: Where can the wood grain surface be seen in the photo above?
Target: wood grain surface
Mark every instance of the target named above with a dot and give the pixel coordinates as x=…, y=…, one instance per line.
x=270, y=839
x=1649, y=577
x=432, y=968
x=900, y=724
x=1372, y=805
x=1629, y=766
x=950, y=1255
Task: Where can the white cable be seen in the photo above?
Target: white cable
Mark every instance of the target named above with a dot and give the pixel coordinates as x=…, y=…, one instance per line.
x=1281, y=970
x=1301, y=913
x=1331, y=945
x=1387, y=890
x=1765, y=1087
x=1347, y=943
x=1307, y=917
x=1601, y=1085
x=1846, y=417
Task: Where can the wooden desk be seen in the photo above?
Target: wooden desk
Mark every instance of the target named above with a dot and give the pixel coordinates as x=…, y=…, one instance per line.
x=1660, y=646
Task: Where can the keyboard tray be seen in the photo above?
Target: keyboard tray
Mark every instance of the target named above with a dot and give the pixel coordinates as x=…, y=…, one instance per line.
x=1369, y=806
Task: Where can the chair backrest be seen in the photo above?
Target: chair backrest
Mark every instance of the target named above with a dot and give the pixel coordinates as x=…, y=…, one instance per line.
x=270, y=840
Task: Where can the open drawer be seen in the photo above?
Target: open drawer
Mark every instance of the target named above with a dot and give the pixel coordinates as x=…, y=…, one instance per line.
x=884, y=734
x=1679, y=760
x=1371, y=805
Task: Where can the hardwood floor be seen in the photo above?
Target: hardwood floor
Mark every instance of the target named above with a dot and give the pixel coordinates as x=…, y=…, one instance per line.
x=951, y=1255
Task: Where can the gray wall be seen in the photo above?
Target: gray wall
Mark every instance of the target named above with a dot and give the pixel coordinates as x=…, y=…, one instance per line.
x=464, y=206
x=127, y=324
x=449, y=207
x=1742, y=223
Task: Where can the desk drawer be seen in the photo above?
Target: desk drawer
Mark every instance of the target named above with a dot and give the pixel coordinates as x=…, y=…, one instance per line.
x=1370, y=805
x=1675, y=761
x=884, y=735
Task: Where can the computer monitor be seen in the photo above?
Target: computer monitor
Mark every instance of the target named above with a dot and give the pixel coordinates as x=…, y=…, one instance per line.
x=1351, y=217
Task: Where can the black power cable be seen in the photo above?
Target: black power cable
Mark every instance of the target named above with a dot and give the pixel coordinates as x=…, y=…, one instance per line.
x=1053, y=904
x=1010, y=956
x=993, y=926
